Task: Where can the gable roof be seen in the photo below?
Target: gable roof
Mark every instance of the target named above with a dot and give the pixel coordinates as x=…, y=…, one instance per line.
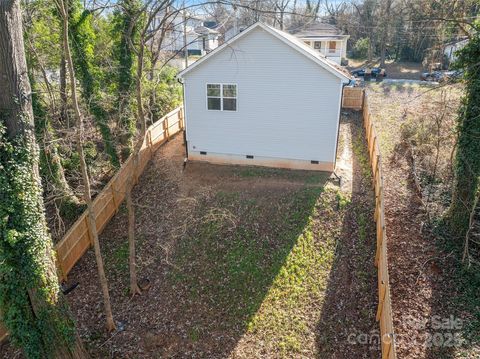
x=288, y=39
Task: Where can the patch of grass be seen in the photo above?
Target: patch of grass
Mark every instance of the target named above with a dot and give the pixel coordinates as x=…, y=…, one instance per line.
x=361, y=153
x=343, y=200
x=259, y=266
x=118, y=260
x=307, y=177
x=300, y=282
x=362, y=227
x=194, y=334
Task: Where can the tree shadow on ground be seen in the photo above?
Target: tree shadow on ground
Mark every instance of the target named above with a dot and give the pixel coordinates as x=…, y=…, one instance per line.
x=347, y=326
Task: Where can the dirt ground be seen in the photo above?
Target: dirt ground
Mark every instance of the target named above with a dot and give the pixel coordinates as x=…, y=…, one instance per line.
x=243, y=262
x=429, y=317
x=395, y=70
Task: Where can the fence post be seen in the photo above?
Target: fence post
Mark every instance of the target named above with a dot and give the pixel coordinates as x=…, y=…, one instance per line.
x=165, y=128
x=89, y=231
x=150, y=142
x=382, y=294
x=114, y=199
x=386, y=345
x=380, y=244
x=180, y=118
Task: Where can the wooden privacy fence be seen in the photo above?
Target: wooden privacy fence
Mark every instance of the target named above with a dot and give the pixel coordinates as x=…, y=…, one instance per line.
x=384, y=311
x=352, y=98
x=78, y=238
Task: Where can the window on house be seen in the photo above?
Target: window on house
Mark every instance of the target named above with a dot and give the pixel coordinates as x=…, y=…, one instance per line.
x=214, y=98
x=222, y=97
x=317, y=45
x=332, y=46
x=229, y=97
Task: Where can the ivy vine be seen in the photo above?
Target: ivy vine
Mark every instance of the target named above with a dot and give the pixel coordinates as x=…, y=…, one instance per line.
x=31, y=304
x=82, y=40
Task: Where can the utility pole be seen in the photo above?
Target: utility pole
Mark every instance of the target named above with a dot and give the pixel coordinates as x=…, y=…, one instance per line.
x=185, y=45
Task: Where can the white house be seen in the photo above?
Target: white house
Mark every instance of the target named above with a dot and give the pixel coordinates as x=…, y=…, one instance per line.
x=200, y=39
x=324, y=38
x=451, y=48
x=263, y=98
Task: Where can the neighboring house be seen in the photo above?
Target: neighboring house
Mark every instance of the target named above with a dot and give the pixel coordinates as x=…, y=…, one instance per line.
x=324, y=38
x=232, y=31
x=263, y=98
x=201, y=37
x=452, y=47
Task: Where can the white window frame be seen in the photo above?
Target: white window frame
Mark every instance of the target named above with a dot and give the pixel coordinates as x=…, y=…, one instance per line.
x=221, y=97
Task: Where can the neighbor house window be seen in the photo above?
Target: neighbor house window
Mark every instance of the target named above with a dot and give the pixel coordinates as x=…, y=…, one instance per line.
x=317, y=45
x=222, y=97
x=332, y=46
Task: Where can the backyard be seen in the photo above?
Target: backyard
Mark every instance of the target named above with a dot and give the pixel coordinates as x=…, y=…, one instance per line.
x=242, y=262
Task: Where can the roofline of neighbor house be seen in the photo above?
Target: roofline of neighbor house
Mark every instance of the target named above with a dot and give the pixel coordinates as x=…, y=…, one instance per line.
x=323, y=38
x=320, y=61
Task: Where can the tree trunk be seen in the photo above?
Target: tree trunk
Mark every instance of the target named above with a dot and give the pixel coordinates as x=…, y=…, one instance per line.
x=51, y=168
x=370, y=50
x=134, y=289
x=386, y=25
x=83, y=166
x=63, y=91
x=32, y=305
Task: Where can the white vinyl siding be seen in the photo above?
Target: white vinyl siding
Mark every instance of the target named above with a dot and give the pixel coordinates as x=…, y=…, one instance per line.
x=289, y=104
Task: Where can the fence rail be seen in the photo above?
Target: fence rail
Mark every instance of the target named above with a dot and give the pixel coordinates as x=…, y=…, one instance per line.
x=384, y=310
x=78, y=240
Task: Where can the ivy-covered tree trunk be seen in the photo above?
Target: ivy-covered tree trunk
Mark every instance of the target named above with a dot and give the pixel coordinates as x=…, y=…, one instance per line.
x=467, y=161
x=81, y=40
x=32, y=306
x=128, y=29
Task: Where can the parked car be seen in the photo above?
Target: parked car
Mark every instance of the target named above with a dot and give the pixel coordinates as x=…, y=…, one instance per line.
x=440, y=76
x=375, y=72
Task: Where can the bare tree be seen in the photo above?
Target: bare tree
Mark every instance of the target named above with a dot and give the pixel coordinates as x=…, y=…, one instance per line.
x=151, y=9
x=83, y=166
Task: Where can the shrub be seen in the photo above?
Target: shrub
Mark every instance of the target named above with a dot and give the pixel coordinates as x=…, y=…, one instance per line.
x=360, y=49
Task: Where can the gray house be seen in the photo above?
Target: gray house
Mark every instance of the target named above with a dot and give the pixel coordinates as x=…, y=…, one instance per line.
x=264, y=98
